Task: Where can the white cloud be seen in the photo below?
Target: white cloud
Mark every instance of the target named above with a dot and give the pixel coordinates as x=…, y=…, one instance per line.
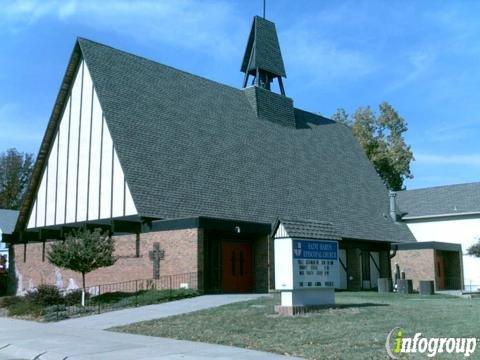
x=321, y=59
x=19, y=13
x=458, y=160
x=418, y=62
x=447, y=131
x=192, y=24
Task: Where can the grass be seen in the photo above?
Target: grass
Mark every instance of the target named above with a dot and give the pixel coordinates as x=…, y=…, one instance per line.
x=27, y=308
x=356, y=328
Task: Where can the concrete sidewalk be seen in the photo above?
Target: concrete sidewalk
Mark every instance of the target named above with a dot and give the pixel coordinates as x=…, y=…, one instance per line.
x=84, y=338
x=149, y=312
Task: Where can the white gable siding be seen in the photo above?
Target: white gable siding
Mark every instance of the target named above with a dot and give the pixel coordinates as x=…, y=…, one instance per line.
x=106, y=174
x=281, y=232
x=464, y=231
x=32, y=220
x=118, y=187
x=95, y=158
x=62, y=134
x=83, y=178
x=84, y=145
x=72, y=161
x=51, y=184
x=40, y=213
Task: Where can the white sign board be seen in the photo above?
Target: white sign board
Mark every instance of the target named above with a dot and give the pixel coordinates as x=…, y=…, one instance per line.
x=306, y=271
x=315, y=264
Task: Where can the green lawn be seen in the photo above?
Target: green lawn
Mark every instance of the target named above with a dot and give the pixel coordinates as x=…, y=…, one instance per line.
x=355, y=329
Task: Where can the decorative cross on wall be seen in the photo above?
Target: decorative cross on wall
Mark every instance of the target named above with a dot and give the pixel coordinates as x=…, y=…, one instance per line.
x=155, y=256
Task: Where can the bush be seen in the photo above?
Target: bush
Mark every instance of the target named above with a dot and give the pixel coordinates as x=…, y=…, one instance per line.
x=74, y=297
x=55, y=313
x=45, y=295
x=24, y=307
x=55, y=316
x=7, y=301
x=111, y=297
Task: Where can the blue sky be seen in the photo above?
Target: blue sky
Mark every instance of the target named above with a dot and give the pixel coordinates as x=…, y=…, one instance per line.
x=422, y=57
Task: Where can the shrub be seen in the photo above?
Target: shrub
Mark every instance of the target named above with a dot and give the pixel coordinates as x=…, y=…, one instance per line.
x=55, y=313
x=24, y=307
x=45, y=295
x=112, y=297
x=7, y=301
x=55, y=316
x=74, y=297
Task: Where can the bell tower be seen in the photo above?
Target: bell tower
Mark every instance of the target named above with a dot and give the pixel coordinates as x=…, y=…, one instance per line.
x=263, y=58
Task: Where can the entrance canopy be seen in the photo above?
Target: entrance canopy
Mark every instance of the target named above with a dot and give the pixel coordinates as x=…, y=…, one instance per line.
x=136, y=225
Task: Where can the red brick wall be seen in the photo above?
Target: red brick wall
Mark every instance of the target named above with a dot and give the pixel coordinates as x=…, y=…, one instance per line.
x=417, y=265
x=183, y=254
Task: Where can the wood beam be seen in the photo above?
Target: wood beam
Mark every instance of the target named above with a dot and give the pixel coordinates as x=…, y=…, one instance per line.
x=50, y=234
x=66, y=230
x=122, y=226
x=104, y=227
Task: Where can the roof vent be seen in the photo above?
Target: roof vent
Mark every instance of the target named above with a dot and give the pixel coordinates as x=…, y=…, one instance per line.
x=393, y=206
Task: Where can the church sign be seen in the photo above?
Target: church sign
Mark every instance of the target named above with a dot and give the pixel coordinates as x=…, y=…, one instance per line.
x=315, y=264
x=306, y=269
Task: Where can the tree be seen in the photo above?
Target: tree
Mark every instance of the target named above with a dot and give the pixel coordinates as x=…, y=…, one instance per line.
x=382, y=139
x=474, y=250
x=15, y=171
x=342, y=116
x=83, y=251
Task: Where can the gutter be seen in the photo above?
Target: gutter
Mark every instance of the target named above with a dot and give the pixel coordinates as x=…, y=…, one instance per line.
x=405, y=218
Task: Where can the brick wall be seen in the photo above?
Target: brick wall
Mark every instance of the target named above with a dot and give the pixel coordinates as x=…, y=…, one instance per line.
x=417, y=265
x=183, y=253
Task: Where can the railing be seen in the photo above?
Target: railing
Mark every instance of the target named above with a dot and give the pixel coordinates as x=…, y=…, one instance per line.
x=450, y=283
x=108, y=297
x=471, y=287
x=169, y=282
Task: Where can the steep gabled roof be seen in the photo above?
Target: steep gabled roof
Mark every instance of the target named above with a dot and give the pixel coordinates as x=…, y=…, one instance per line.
x=8, y=219
x=193, y=147
x=449, y=200
x=309, y=229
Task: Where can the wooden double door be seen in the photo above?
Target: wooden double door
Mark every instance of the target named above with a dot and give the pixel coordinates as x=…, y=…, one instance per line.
x=237, y=267
x=440, y=270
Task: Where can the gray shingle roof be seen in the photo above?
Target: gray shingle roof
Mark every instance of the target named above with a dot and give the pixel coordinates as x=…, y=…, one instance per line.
x=310, y=229
x=193, y=147
x=263, y=50
x=8, y=219
x=441, y=200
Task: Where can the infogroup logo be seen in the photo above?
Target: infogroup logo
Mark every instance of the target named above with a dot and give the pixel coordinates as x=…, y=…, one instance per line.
x=398, y=344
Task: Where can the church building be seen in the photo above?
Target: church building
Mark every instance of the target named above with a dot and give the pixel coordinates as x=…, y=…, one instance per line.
x=174, y=164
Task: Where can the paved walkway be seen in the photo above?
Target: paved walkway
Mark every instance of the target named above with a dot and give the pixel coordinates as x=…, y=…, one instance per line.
x=143, y=313
x=84, y=338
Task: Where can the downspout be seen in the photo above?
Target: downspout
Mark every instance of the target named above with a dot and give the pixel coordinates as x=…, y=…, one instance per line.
x=393, y=205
